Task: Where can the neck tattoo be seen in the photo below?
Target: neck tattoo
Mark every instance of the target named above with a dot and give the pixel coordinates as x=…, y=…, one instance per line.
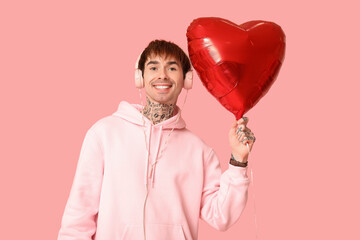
x=157, y=112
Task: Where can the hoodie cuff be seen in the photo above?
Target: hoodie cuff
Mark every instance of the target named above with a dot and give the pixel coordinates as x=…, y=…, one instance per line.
x=238, y=172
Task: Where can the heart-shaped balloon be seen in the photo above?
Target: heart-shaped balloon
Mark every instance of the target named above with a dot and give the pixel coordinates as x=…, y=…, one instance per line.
x=236, y=63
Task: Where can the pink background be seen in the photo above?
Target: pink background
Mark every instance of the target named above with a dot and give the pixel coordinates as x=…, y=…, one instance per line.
x=66, y=64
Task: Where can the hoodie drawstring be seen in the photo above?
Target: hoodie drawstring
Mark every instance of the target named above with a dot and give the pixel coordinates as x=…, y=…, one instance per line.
x=148, y=155
x=152, y=174
x=156, y=155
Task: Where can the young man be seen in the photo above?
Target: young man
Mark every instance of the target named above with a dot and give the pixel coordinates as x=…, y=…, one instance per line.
x=142, y=175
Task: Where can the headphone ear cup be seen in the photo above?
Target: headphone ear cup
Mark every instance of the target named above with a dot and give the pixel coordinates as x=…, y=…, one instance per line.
x=188, y=82
x=139, y=81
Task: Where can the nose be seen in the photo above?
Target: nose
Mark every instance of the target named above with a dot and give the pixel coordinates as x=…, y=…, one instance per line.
x=162, y=73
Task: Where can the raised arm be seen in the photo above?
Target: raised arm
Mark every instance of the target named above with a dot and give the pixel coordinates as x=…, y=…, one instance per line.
x=224, y=195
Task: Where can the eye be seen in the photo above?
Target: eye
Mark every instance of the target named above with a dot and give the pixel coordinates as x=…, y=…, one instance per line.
x=153, y=68
x=173, y=69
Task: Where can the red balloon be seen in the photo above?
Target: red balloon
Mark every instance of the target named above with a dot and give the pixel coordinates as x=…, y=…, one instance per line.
x=236, y=63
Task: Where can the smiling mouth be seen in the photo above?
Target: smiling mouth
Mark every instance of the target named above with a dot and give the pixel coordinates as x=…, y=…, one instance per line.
x=162, y=86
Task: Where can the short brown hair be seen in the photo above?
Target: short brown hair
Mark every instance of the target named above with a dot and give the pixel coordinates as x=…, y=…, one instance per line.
x=165, y=49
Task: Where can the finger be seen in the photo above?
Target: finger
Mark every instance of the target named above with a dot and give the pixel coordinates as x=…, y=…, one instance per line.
x=245, y=135
x=242, y=135
x=233, y=128
x=247, y=139
x=234, y=124
x=247, y=129
x=240, y=129
x=241, y=126
x=243, y=120
x=251, y=144
x=249, y=133
x=253, y=137
x=250, y=139
x=244, y=140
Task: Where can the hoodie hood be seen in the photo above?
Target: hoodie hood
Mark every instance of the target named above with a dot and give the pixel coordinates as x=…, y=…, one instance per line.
x=131, y=113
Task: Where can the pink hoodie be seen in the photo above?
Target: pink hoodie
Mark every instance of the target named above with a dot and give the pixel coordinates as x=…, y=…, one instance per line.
x=109, y=198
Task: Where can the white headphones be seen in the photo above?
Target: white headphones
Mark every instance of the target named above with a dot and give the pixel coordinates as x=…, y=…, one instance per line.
x=139, y=81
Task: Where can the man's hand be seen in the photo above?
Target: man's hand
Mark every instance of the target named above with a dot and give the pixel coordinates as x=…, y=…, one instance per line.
x=239, y=135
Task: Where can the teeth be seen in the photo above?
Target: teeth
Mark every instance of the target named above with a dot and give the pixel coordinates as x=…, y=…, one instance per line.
x=162, y=87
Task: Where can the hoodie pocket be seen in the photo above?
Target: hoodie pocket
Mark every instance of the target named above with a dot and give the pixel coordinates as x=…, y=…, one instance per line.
x=153, y=232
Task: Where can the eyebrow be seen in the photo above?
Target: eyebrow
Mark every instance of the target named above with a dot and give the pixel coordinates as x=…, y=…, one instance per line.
x=156, y=62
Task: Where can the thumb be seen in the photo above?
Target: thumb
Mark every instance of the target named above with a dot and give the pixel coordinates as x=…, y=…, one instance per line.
x=233, y=126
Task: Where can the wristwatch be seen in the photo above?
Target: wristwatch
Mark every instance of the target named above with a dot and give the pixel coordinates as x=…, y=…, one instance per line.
x=234, y=162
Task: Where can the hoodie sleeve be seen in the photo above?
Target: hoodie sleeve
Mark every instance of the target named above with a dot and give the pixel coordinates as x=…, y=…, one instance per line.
x=224, y=196
x=79, y=218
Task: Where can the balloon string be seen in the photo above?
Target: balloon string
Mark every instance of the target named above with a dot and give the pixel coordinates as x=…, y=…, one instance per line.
x=253, y=191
